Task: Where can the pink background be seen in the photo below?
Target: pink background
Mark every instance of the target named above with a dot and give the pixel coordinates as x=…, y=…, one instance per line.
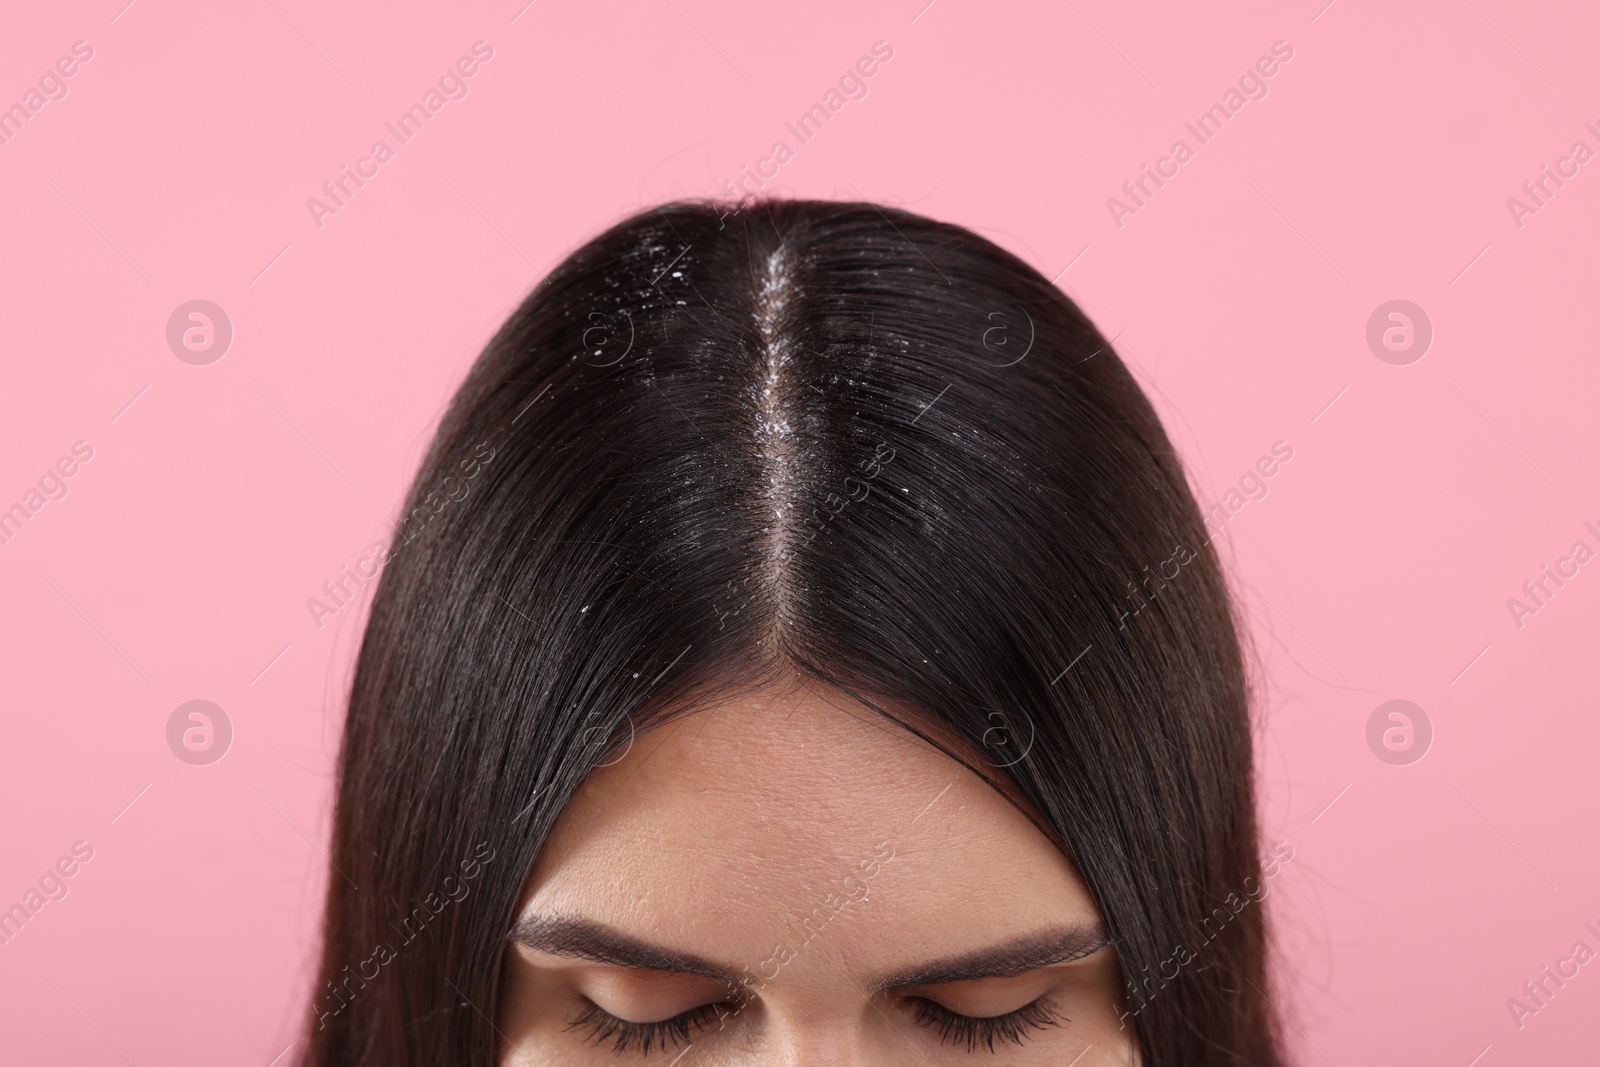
x=1378, y=566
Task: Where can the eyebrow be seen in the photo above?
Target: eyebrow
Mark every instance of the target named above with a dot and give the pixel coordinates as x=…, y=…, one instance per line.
x=587, y=940
x=1009, y=959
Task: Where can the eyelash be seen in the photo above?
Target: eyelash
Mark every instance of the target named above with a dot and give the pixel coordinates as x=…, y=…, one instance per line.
x=953, y=1028
x=972, y=1030
x=663, y=1034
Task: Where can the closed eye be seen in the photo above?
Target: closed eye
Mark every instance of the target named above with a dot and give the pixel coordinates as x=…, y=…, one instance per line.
x=663, y=1034
x=954, y=1028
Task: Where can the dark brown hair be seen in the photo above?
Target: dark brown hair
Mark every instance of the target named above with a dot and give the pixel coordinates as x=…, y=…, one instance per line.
x=720, y=446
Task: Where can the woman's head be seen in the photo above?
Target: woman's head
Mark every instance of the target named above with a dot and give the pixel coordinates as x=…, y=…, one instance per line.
x=800, y=621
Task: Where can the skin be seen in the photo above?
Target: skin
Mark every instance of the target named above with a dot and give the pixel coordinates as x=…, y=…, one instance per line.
x=715, y=834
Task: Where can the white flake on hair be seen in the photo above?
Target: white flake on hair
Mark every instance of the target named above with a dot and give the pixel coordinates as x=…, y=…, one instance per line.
x=774, y=434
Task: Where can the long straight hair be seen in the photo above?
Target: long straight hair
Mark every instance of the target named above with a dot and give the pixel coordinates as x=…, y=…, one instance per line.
x=720, y=446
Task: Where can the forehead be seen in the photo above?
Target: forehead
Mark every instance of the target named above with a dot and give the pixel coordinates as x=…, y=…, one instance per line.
x=731, y=822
